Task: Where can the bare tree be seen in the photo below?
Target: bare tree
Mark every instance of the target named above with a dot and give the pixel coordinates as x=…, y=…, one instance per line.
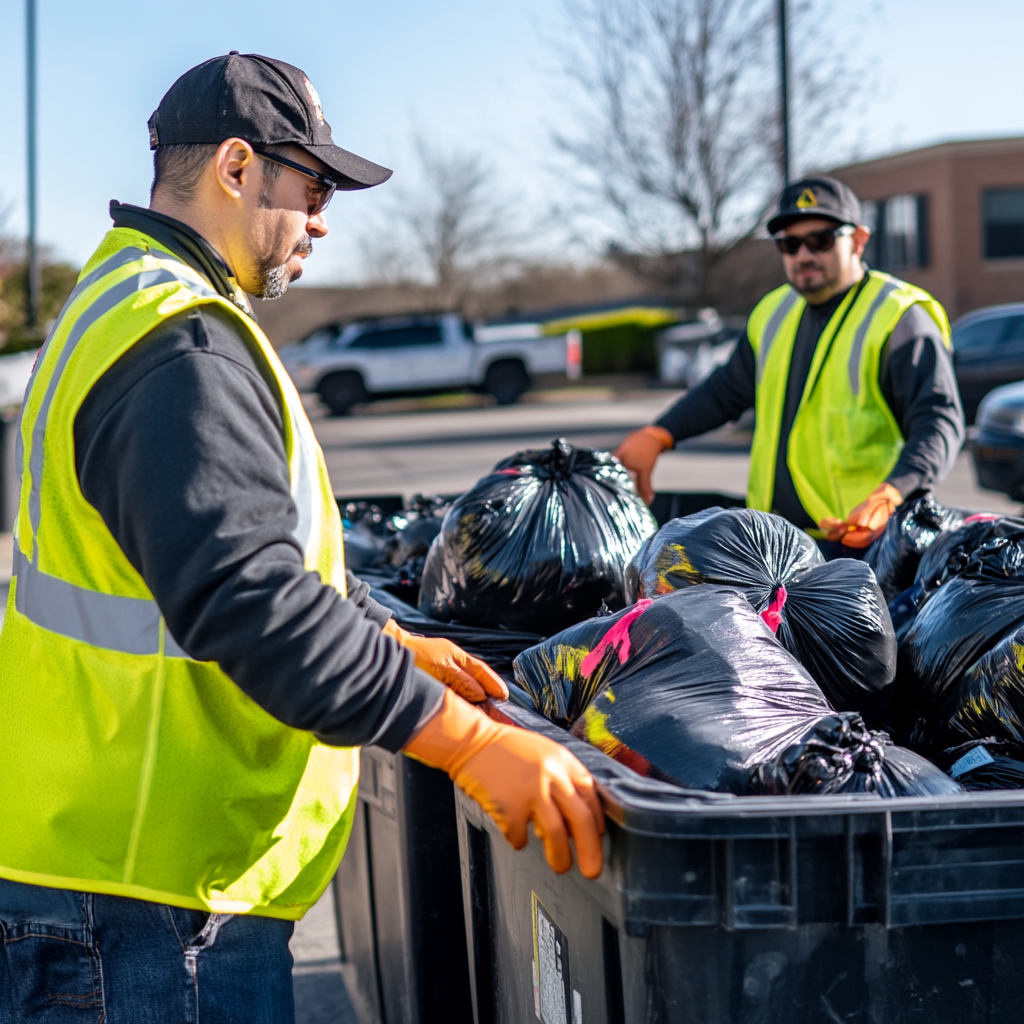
x=451, y=226
x=676, y=128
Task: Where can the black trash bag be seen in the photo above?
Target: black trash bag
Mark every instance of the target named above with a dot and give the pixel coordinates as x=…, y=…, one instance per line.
x=841, y=755
x=538, y=544
x=990, y=699
x=951, y=553
x=412, y=542
x=962, y=620
x=830, y=615
x=912, y=529
x=693, y=689
x=984, y=764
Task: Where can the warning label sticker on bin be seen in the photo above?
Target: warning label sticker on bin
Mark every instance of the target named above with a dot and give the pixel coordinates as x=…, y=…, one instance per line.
x=972, y=759
x=552, y=994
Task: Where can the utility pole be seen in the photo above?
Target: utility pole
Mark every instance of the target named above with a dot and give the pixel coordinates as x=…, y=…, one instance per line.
x=784, y=91
x=32, y=292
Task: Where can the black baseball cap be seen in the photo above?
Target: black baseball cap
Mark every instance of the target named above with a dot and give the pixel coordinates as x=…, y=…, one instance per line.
x=264, y=101
x=816, y=197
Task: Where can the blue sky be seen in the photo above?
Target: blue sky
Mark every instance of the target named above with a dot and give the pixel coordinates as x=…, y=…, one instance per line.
x=473, y=73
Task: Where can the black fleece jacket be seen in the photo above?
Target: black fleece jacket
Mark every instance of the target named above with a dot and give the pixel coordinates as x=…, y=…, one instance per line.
x=915, y=376
x=180, y=448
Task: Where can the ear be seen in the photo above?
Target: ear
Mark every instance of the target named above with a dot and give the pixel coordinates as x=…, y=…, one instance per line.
x=235, y=167
x=860, y=237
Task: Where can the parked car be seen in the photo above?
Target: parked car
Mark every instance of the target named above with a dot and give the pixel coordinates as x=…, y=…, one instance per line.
x=988, y=351
x=689, y=353
x=997, y=445
x=419, y=355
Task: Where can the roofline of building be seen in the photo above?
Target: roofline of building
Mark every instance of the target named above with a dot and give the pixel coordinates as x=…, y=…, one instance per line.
x=951, y=149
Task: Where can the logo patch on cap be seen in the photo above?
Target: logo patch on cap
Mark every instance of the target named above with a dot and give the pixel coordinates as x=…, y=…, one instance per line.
x=807, y=198
x=314, y=98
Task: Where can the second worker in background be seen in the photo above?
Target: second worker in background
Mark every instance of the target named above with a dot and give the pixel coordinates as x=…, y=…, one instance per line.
x=849, y=372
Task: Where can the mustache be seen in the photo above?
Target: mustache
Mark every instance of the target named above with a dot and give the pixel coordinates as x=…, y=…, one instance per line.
x=304, y=246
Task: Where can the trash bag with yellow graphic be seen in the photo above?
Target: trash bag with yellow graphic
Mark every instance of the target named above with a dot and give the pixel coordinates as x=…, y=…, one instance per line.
x=538, y=543
x=831, y=616
x=693, y=689
x=989, y=701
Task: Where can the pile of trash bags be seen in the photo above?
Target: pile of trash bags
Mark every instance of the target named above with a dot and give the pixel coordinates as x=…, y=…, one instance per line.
x=831, y=616
x=693, y=688
x=538, y=544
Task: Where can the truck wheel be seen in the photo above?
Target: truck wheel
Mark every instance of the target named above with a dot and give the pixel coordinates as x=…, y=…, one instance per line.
x=340, y=391
x=506, y=381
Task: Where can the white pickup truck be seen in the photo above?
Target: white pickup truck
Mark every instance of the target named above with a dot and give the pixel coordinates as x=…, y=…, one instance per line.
x=424, y=354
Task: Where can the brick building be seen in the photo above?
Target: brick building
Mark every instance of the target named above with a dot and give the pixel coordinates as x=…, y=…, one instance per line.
x=949, y=218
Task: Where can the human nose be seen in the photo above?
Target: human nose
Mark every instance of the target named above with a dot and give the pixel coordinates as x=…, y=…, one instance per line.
x=316, y=226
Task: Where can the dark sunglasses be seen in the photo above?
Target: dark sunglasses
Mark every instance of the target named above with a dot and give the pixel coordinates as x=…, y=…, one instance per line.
x=328, y=185
x=816, y=241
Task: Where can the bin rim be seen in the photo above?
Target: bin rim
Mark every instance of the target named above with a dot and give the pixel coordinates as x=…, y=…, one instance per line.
x=647, y=807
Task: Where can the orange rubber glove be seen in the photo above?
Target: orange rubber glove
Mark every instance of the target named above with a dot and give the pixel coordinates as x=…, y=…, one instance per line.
x=639, y=452
x=865, y=523
x=448, y=663
x=517, y=777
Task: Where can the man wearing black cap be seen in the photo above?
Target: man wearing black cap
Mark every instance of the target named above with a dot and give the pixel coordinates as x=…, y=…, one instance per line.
x=850, y=373
x=186, y=668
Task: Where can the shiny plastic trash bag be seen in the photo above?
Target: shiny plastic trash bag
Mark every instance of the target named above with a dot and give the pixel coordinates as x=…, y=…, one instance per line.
x=912, y=529
x=538, y=544
x=961, y=621
x=830, y=616
x=692, y=688
x=951, y=553
x=989, y=701
x=982, y=764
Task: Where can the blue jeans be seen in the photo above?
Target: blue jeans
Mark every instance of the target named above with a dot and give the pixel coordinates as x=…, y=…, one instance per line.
x=75, y=957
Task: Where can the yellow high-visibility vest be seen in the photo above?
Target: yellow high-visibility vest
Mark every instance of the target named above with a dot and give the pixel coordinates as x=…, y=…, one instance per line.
x=126, y=767
x=845, y=440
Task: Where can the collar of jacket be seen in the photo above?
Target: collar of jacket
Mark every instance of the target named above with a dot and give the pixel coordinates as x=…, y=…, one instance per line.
x=187, y=244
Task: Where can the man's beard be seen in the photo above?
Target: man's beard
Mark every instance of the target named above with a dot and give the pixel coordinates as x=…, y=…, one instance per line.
x=274, y=278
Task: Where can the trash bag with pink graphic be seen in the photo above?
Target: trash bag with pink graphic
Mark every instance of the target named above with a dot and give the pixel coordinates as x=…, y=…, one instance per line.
x=694, y=689
x=830, y=615
x=538, y=544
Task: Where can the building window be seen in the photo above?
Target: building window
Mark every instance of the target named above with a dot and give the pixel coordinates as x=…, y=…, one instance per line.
x=899, y=232
x=1004, y=222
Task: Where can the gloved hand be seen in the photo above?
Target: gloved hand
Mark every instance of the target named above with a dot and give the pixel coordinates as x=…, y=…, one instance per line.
x=865, y=523
x=448, y=663
x=517, y=777
x=639, y=452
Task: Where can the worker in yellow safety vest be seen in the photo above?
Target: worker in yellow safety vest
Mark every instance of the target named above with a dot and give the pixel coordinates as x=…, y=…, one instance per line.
x=187, y=670
x=849, y=372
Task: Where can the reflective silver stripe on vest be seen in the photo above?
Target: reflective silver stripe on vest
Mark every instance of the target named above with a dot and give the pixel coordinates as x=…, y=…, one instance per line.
x=862, y=331
x=130, y=625
x=772, y=329
x=103, y=304
x=115, y=262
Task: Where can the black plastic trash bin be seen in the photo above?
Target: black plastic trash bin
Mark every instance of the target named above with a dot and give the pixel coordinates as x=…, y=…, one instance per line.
x=398, y=897
x=714, y=909
x=398, y=892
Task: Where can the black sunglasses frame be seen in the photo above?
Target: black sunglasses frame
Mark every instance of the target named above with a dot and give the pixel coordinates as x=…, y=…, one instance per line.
x=330, y=184
x=816, y=241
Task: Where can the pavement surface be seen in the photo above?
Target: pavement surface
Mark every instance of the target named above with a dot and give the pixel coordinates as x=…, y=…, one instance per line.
x=443, y=447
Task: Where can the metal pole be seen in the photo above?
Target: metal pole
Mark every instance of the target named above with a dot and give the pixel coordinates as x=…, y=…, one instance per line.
x=784, y=91
x=32, y=311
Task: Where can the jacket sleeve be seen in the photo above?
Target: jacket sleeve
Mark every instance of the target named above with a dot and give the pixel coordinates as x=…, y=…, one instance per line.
x=725, y=396
x=179, y=446
x=918, y=383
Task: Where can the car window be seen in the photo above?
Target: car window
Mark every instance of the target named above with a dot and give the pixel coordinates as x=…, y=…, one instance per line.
x=325, y=335
x=399, y=337
x=980, y=333
x=1014, y=331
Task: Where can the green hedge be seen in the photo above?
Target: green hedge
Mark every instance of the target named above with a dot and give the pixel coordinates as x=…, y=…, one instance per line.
x=627, y=348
